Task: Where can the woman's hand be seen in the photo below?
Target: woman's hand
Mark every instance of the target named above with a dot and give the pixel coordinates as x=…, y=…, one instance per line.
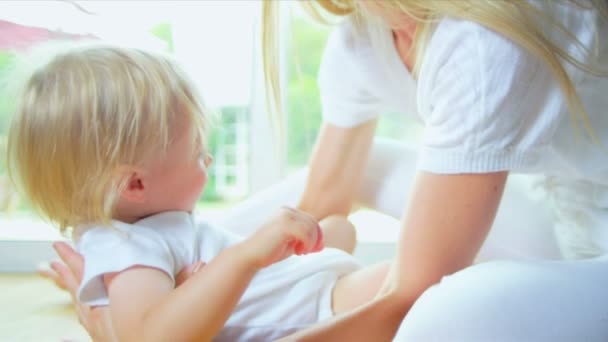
x=68, y=275
x=290, y=232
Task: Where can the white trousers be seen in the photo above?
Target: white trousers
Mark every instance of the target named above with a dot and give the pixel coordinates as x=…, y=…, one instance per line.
x=514, y=301
x=527, y=298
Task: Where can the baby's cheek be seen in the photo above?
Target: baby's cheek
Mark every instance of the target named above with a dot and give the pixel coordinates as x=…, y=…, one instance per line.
x=203, y=177
x=204, y=181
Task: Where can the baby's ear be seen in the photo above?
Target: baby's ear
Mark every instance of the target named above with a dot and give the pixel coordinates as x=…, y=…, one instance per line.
x=208, y=160
x=134, y=189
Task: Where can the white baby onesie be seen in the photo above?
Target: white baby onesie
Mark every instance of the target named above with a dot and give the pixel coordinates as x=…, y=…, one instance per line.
x=281, y=299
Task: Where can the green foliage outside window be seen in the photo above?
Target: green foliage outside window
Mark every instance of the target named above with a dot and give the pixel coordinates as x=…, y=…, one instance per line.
x=303, y=103
x=5, y=60
x=8, y=199
x=164, y=32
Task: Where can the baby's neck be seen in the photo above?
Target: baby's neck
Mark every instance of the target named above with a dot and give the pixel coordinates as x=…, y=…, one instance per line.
x=132, y=217
x=131, y=212
x=127, y=218
x=128, y=213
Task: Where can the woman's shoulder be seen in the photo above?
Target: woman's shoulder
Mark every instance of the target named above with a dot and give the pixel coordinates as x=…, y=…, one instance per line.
x=475, y=59
x=349, y=34
x=456, y=39
x=353, y=73
x=470, y=41
x=361, y=51
x=349, y=41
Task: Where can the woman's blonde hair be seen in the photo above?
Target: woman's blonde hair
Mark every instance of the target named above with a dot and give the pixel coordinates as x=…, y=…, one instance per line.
x=86, y=111
x=517, y=20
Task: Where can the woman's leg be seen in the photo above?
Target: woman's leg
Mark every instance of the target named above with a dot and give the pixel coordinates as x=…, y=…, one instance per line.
x=514, y=301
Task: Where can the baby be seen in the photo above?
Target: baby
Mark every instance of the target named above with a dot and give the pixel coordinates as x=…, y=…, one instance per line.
x=110, y=141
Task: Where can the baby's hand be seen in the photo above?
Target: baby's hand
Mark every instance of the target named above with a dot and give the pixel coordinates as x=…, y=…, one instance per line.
x=290, y=232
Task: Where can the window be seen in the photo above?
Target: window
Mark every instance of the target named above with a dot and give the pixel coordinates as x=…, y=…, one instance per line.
x=215, y=41
x=307, y=41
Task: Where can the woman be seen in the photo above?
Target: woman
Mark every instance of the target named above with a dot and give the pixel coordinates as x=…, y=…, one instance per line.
x=501, y=87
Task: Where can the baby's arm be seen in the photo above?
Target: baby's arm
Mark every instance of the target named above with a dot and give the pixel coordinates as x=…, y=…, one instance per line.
x=144, y=306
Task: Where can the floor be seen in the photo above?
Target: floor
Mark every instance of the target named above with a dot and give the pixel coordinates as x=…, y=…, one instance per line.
x=35, y=310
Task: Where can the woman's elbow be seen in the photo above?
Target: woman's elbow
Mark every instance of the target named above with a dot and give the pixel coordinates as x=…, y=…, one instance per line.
x=400, y=296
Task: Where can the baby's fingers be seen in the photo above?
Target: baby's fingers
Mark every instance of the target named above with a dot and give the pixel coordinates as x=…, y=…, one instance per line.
x=309, y=239
x=304, y=231
x=320, y=244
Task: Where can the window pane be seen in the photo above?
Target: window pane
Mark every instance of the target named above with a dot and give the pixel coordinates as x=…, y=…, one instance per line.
x=307, y=42
x=213, y=40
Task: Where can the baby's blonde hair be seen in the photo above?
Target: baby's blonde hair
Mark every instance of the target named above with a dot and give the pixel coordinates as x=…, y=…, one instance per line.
x=87, y=111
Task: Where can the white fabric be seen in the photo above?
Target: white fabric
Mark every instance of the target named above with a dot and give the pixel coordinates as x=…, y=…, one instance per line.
x=503, y=301
x=522, y=228
x=514, y=301
x=281, y=299
x=486, y=104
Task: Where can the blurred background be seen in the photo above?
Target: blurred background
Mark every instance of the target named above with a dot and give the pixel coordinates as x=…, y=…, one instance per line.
x=218, y=44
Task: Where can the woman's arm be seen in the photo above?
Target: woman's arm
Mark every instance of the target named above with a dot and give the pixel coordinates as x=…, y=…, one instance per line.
x=447, y=221
x=445, y=225
x=337, y=167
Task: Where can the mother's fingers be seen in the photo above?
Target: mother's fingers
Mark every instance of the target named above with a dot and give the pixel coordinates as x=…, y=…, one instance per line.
x=48, y=272
x=70, y=272
x=71, y=258
x=66, y=278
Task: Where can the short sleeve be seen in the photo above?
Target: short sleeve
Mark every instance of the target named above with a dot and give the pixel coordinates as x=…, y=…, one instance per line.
x=107, y=250
x=487, y=104
x=346, y=96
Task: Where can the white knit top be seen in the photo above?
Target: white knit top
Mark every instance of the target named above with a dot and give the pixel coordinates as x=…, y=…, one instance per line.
x=486, y=104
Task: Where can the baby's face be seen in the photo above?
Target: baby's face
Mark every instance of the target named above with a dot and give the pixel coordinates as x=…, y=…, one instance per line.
x=177, y=181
